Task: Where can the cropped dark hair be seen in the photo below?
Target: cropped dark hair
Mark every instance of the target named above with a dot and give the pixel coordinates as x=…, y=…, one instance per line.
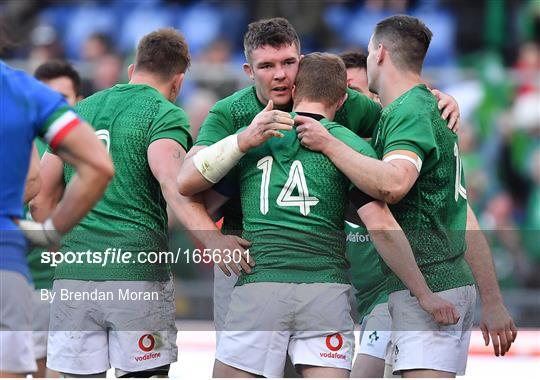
x=407, y=39
x=354, y=60
x=57, y=68
x=276, y=32
x=321, y=78
x=163, y=52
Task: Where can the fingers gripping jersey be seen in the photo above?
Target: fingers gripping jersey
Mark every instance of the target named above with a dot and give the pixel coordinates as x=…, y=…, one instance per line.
x=433, y=214
x=293, y=201
x=359, y=114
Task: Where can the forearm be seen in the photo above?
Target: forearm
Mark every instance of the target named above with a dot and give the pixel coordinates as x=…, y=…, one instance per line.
x=375, y=178
x=206, y=166
x=190, y=180
x=52, y=188
x=42, y=206
x=31, y=189
x=33, y=180
x=81, y=194
x=478, y=256
x=396, y=252
x=393, y=246
x=190, y=211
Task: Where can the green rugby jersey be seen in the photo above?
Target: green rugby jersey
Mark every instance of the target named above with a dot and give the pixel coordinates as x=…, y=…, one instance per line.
x=359, y=114
x=433, y=214
x=132, y=214
x=293, y=202
x=42, y=274
x=366, y=272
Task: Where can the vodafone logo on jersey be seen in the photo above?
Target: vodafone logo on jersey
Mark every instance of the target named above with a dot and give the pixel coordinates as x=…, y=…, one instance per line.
x=147, y=342
x=334, y=343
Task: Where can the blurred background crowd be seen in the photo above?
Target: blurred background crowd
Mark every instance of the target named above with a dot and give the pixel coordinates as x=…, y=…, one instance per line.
x=486, y=53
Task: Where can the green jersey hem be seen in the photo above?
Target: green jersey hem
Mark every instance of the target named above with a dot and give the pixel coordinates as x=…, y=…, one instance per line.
x=439, y=277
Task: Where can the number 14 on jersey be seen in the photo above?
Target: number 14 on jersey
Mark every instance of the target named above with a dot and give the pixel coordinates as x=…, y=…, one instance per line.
x=296, y=180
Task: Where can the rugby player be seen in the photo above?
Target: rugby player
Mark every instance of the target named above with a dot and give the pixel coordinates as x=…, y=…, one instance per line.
x=420, y=175
x=272, y=50
x=31, y=109
x=293, y=202
x=62, y=77
x=147, y=136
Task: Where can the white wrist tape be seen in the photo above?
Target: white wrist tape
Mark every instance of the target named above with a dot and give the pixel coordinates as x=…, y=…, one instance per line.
x=50, y=231
x=40, y=234
x=218, y=159
x=417, y=163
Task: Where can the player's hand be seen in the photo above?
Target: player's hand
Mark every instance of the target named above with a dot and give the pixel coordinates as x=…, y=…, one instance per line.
x=443, y=312
x=312, y=134
x=38, y=234
x=234, y=254
x=268, y=123
x=449, y=109
x=497, y=323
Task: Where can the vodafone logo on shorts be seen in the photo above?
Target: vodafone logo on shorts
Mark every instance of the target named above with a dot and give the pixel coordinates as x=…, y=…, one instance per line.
x=334, y=343
x=147, y=342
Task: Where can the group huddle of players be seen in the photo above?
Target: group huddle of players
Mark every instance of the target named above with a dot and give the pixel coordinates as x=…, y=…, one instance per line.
x=287, y=164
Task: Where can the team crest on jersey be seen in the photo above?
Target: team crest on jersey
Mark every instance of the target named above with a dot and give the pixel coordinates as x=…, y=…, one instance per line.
x=373, y=337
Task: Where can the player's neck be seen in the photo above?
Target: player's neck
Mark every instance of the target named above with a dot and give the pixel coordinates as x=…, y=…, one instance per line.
x=150, y=80
x=395, y=83
x=311, y=107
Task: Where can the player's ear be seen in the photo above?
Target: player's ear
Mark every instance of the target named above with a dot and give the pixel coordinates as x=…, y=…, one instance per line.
x=176, y=86
x=178, y=80
x=131, y=69
x=248, y=70
x=293, y=90
x=381, y=53
x=342, y=101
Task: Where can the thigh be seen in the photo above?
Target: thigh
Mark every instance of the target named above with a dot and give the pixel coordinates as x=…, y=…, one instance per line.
x=16, y=342
x=419, y=342
x=77, y=339
x=376, y=332
x=256, y=332
x=223, y=288
x=40, y=324
x=143, y=331
x=323, y=332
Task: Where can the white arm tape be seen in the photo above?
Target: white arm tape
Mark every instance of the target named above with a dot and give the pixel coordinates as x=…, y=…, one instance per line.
x=215, y=161
x=417, y=163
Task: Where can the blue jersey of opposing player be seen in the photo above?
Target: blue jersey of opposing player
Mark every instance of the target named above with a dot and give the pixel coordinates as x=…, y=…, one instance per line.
x=28, y=108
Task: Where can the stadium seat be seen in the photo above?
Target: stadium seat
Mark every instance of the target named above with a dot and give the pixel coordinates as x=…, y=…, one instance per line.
x=82, y=22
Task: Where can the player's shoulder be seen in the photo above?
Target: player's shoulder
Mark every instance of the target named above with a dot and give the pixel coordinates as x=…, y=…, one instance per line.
x=415, y=107
x=244, y=96
x=349, y=137
x=20, y=83
x=418, y=101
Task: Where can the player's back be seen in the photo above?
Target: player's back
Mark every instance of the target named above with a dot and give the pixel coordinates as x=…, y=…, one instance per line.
x=433, y=213
x=293, y=201
x=132, y=213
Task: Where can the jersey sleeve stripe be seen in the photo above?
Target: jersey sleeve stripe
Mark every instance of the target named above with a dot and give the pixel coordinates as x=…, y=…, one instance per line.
x=66, y=119
x=63, y=132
